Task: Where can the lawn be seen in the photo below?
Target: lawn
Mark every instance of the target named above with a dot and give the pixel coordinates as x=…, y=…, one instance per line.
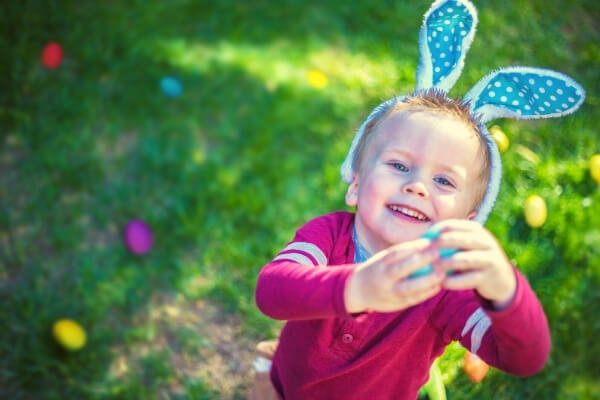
x=225, y=173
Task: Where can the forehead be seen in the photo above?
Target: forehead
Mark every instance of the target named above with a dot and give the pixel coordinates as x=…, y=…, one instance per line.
x=431, y=135
x=424, y=128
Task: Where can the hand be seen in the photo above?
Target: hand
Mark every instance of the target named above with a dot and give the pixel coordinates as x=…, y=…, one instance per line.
x=481, y=263
x=381, y=283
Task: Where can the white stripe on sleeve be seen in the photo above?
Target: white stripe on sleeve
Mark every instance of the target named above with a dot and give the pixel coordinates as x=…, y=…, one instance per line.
x=480, y=323
x=478, y=332
x=473, y=319
x=299, y=258
x=309, y=248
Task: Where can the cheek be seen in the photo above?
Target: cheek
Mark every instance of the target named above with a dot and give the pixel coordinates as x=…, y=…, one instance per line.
x=377, y=188
x=452, y=206
x=447, y=206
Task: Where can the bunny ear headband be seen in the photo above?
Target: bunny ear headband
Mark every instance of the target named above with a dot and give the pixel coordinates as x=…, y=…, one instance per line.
x=516, y=92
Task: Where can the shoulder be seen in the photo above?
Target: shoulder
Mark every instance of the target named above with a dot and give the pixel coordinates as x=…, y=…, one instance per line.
x=334, y=224
x=319, y=237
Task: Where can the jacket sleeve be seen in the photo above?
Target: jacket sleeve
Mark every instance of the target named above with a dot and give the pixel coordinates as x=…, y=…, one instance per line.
x=515, y=339
x=298, y=283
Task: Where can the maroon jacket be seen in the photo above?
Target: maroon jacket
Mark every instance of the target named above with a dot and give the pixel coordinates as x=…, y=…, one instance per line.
x=325, y=353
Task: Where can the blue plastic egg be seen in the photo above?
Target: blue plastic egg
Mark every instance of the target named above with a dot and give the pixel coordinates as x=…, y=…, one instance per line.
x=171, y=86
x=432, y=234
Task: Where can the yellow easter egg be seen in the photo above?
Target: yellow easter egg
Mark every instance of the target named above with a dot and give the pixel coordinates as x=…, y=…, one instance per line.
x=316, y=79
x=199, y=156
x=595, y=168
x=69, y=334
x=500, y=138
x=535, y=211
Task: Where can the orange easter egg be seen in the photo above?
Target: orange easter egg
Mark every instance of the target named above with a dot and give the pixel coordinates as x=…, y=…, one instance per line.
x=474, y=367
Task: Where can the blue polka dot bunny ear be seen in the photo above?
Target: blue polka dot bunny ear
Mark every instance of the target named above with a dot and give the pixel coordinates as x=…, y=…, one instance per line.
x=446, y=34
x=521, y=93
x=525, y=93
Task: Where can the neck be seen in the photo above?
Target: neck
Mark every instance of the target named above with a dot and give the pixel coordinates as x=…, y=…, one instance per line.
x=359, y=236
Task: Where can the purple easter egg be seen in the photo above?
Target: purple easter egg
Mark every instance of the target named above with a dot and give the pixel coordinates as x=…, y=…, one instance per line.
x=138, y=236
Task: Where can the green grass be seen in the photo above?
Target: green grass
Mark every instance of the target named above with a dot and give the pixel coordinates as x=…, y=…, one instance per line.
x=225, y=173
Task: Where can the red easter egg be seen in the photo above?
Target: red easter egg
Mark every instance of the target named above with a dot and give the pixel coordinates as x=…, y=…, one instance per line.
x=138, y=236
x=52, y=55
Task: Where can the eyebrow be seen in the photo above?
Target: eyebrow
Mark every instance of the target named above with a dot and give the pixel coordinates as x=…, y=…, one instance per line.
x=409, y=155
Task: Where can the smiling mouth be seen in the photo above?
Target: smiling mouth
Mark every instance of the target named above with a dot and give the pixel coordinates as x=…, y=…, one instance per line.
x=409, y=212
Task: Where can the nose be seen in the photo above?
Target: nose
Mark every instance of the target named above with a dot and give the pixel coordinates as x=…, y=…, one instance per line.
x=416, y=187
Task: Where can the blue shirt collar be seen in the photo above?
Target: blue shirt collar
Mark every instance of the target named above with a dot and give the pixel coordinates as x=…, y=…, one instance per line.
x=360, y=253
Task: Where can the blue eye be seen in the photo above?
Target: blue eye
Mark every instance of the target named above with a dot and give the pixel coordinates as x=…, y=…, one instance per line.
x=399, y=166
x=443, y=181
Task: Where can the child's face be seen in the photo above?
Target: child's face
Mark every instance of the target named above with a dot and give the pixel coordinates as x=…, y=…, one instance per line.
x=420, y=163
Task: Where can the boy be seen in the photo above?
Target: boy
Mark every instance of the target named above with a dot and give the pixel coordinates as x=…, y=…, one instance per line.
x=364, y=321
x=359, y=327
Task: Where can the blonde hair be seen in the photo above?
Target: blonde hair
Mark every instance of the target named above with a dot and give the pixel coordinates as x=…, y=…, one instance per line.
x=432, y=101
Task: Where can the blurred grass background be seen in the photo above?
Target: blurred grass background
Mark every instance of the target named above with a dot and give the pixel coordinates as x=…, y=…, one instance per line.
x=226, y=172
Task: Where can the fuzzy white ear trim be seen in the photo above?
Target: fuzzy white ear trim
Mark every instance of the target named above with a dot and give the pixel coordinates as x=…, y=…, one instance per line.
x=525, y=93
x=346, y=169
x=446, y=34
x=493, y=187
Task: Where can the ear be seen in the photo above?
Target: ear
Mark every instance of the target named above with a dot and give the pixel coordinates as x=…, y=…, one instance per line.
x=525, y=93
x=446, y=34
x=352, y=192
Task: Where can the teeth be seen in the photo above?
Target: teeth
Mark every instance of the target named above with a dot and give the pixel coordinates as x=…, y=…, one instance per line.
x=408, y=212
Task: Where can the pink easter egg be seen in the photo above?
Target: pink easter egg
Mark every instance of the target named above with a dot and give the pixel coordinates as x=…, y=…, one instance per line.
x=138, y=236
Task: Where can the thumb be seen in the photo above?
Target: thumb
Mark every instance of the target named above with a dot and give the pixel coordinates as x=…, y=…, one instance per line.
x=405, y=249
x=393, y=254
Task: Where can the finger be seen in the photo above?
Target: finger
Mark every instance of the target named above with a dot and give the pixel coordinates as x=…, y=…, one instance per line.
x=404, y=249
x=416, y=290
x=424, y=295
x=457, y=225
x=420, y=283
x=467, y=280
x=464, y=261
x=412, y=263
x=463, y=240
x=392, y=254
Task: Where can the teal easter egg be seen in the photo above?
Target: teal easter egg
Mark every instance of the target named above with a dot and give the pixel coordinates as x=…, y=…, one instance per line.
x=171, y=86
x=432, y=234
x=422, y=271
